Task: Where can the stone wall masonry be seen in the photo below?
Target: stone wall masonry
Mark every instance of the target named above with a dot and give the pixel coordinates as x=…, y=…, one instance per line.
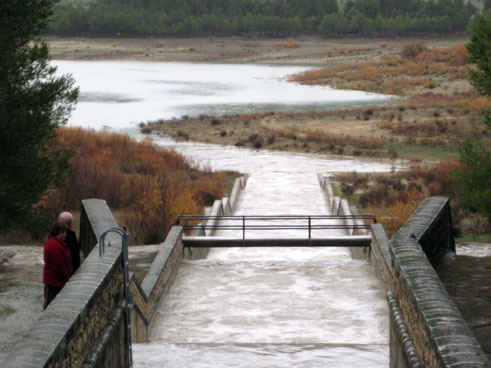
x=67, y=332
x=439, y=333
x=109, y=350
x=427, y=329
x=402, y=350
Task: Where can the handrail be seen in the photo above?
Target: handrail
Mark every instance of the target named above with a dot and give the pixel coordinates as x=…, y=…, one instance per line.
x=275, y=217
x=184, y=220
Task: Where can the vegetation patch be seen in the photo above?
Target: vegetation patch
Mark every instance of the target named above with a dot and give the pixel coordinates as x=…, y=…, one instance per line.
x=393, y=197
x=146, y=185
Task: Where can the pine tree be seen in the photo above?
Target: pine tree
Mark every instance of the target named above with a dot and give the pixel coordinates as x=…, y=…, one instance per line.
x=480, y=51
x=34, y=102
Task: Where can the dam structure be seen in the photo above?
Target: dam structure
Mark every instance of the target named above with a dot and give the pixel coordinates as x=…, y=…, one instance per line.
x=272, y=307
x=326, y=289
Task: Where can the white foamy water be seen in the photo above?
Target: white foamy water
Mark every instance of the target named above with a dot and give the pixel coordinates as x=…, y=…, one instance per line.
x=119, y=94
x=272, y=307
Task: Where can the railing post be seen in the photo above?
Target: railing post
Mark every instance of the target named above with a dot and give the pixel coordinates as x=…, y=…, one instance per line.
x=243, y=227
x=309, y=228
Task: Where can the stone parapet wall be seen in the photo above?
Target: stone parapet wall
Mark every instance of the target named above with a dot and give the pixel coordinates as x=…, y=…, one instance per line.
x=425, y=322
x=68, y=330
x=109, y=350
x=156, y=283
x=431, y=226
x=402, y=350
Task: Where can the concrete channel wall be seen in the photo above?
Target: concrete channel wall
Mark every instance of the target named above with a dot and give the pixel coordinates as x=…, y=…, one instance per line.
x=426, y=328
x=84, y=325
x=341, y=207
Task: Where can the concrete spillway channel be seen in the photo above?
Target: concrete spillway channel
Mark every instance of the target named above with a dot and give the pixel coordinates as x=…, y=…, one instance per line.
x=272, y=307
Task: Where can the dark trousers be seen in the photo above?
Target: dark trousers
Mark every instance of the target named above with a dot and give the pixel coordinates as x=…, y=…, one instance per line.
x=50, y=293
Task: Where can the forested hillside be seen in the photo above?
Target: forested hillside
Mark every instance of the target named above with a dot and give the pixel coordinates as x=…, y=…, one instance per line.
x=274, y=18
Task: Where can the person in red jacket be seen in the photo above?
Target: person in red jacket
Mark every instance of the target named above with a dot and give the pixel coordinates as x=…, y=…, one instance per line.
x=57, y=263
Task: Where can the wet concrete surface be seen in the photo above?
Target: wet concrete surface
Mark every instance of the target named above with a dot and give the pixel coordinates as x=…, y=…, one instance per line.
x=468, y=281
x=21, y=294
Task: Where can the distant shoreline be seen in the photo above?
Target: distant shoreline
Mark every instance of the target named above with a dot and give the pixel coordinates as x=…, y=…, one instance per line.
x=313, y=51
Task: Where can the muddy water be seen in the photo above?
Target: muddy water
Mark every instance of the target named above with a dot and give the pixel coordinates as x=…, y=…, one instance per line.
x=272, y=307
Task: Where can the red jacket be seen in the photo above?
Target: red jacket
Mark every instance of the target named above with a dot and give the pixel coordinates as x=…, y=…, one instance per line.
x=57, y=262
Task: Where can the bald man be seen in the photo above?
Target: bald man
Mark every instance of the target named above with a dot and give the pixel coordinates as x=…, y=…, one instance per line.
x=71, y=240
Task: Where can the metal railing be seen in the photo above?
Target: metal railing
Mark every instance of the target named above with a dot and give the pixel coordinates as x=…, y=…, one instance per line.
x=286, y=222
x=127, y=293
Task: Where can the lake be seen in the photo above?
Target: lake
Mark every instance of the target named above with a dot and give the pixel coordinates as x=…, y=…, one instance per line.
x=119, y=94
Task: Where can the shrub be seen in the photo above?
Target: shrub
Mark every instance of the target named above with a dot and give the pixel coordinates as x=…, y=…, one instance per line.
x=182, y=134
x=475, y=223
x=394, y=197
x=412, y=50
x=459, y=55
x=291, y=43
x=395, y=214
x=149, y=185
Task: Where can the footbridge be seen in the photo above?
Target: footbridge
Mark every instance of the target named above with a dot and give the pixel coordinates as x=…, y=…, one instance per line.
x=274, y=226
x=307, y=291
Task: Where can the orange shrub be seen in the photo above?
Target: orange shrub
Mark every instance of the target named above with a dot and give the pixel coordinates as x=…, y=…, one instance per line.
x=291, y=43
x=393, y=198
x=290, y=132
x=392, y=217
x=149, y=185
x=459, y=55
x=366, y=71
x=477, y=104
